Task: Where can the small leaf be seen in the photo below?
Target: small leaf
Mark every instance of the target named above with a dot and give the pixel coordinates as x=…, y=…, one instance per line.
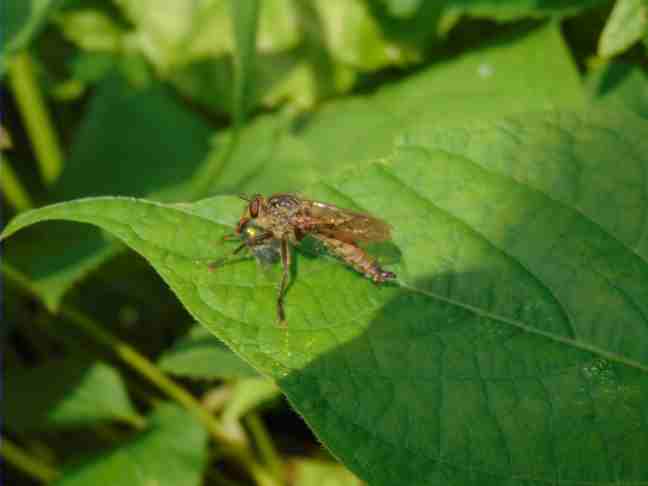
x=311, y=472
x=91, y=30
x=247, y=395
x=628, y=23
x=171, y=452
x=620, y=85
x=506, y=10
x=514, y=344
x=200, y=356
x=402, y=8
x=65, y=393
x=354, y=37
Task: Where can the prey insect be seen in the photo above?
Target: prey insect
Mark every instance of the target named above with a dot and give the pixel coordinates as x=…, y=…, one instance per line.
x=269, y=226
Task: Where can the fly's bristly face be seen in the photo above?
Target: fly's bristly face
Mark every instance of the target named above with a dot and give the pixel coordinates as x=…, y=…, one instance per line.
x=266, y=252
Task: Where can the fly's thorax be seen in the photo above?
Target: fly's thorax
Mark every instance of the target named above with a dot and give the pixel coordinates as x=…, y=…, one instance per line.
x=284, y=202
x=283, y=206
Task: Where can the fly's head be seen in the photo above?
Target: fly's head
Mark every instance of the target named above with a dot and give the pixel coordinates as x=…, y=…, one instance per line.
x=256, y=207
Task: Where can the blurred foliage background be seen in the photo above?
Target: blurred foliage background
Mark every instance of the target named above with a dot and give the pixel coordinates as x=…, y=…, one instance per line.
x=177, y=100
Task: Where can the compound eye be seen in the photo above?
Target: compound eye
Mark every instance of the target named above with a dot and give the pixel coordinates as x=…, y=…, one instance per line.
x=254, y=207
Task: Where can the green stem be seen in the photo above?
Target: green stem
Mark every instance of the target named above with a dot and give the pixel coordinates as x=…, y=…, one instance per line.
x=206, y=178
x=244, y=16
x=266, y=447
x=23, y=461
x=141, y=364
x=33, y=109
x=14, y=192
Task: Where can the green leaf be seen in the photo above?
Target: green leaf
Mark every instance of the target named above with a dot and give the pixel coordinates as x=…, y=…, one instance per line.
x=620, y=85
x=171, y=452
x=131, y=142
x=71, y=253
x=276, y=153
x=627, y=24
x=514, y=345
x=22, y=20
x=247, y=395
x=311, y=472
x=65, y=393
x=506, y=10
x=402, y=8
x=200, y=356
x=354, y=37
x=91, y=30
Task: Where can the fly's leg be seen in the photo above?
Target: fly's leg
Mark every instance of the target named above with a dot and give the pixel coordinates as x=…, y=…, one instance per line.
x=285, y=262
x=221, y=261
x=249, y=243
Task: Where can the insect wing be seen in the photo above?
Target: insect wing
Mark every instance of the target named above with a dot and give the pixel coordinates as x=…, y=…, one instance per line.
x=347, y=225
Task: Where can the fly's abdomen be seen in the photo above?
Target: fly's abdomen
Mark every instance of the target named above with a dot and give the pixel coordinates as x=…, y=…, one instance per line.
x=356, y=258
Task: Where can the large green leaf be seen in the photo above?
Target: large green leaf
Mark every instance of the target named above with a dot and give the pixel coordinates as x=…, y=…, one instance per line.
x=172, y=451
x=65, y=393
x=513, y=347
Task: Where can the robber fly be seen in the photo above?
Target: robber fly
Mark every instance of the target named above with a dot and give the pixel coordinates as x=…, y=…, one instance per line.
x=269, y=225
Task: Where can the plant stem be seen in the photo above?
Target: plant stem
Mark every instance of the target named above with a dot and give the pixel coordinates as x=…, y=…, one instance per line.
x=206, y=178
x=14, y=192
x=264, y=443
x=149, y=370
x=244, y=15
x=33, y=109
x=23, y=461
